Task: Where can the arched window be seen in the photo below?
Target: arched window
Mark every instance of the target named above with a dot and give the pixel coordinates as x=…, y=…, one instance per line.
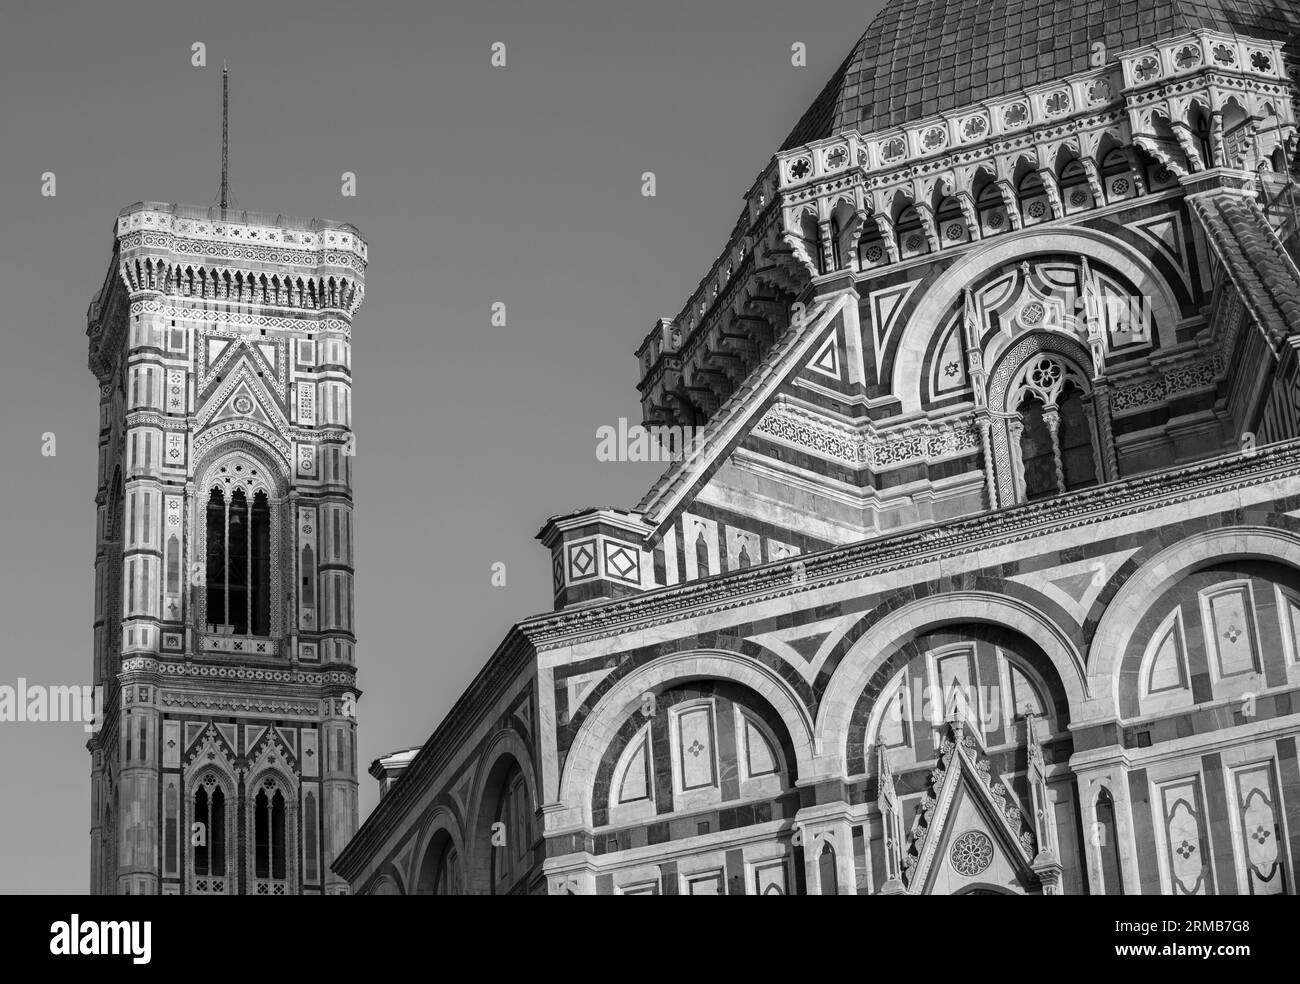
x=871, y=248
x=826, y=870
x=440, y=868
x=1107, y=841
x=270, y=842
x=911, y=235
x=309, y=837
x=512, y=838
x=1052, y=431
x=1037, y=457
x=1076, y=194
x=207, y=836
x=992, y=212
x=1034, y=205
x=1117, y=176
x=1201, y=134
x=239, y=562
x=448, y=880
x=951, y=222
x=1075, y=439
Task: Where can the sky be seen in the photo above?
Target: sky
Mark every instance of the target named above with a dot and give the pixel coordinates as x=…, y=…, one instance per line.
x=476, y=185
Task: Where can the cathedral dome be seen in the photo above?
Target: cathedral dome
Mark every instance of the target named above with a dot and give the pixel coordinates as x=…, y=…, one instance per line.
x=921, y=57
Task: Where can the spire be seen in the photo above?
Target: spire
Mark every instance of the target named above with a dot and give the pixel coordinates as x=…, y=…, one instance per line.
x=225, y=136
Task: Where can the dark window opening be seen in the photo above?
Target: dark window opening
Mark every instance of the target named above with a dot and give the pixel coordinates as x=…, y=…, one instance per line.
x=1036, y=451
x=239, y=562
x=1076, y=441
x=269, y=847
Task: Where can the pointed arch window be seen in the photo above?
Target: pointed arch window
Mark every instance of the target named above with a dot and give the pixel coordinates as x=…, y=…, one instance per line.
x=1201, y=134
x=827, y=872
x=239, y=561
x=1052, y=429
x=208, y=837
x=1034, y=204
x=270, y=839
x=1038, y=460
x=912, y=240
x=448, y=881
x=951, y=223
x=1106, y=837
x=1076, y=193
x=309, y=836
x=991, y=209
x=1117, y=177
x=514, y=815
x=1075, y=439
x=701, y=555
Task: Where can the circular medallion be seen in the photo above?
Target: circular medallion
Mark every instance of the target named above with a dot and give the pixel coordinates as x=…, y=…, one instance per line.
x=1032, y=314
x=972, y=853
x=243, y=405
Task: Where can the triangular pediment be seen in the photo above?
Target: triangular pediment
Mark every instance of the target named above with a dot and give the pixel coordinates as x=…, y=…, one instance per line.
x=270, y=752
x=222, y=353
x=213, y=744
x=242, y=396
x=969, y=829
x=712, y=447
x=242, y=403
x=799, y=460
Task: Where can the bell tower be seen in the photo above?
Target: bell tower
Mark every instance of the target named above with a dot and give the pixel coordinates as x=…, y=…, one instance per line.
x=225, y=761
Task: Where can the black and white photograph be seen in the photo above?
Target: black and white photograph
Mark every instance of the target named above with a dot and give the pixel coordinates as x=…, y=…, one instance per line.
x=719, y=448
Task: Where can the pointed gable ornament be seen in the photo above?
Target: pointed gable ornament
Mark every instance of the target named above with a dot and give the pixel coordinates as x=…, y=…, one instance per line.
x=962, y=764
x=1093, y=322
x=974, y=360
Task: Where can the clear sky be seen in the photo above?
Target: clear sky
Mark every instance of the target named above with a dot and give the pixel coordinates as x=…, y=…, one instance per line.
x=475, y=185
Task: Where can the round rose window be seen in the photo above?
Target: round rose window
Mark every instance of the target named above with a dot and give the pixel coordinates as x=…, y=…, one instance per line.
x=972, y=853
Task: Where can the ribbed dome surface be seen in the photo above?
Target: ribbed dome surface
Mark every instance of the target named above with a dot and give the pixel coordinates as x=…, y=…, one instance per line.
x=921, y=57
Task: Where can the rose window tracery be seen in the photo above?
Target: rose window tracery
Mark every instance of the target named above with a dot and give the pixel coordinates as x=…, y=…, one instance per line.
x=972, y=853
